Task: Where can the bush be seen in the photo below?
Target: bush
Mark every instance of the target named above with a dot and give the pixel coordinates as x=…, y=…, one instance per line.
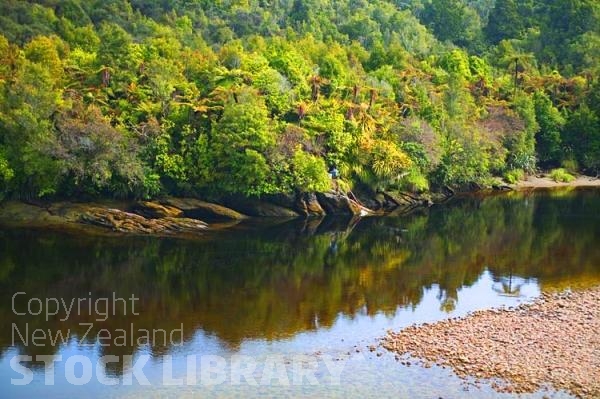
x=415, y=181
x=570, y=165
x=513, y=176
x=561, y=175
x=6, y=174
x=462, y=165
x=310, y=172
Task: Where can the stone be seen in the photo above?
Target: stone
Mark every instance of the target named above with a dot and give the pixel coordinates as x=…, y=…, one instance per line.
x=308, y=205
x=197, y=209
x=153, y=210
x=335, y=204
x=519, y=349
x=19, y=212
x=126, y=222
x=258, y=207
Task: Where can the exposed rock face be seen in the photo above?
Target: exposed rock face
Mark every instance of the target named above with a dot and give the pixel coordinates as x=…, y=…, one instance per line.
x=367, y=197
x=71, y=212
x=304, y=204
x=335, y=204
x=19, y=212
x=126, y=222
x=257, y=207
x=308, y=205
x=197, y=209
x=104, y=216
x=284, y=200
x=153, y=210
x=402, y=199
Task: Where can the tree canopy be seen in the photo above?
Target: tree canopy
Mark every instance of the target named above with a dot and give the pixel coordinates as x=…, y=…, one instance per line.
x=195, y=97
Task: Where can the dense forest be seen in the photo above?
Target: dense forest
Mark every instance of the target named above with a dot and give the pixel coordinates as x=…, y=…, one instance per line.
x=140, y=98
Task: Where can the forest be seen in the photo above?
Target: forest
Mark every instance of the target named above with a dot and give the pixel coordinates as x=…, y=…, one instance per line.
x=140, y=98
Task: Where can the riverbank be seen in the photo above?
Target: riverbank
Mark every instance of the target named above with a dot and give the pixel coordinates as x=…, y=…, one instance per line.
x=553, y=342
x=545, y=182
x=171, y=216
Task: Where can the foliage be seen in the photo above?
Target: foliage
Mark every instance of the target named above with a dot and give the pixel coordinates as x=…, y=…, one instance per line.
x=310, y=172
x=521, y=144
x=561, y=175
x=570, y=165
x=582, y=136
x=415, y=181
x=548, y=140
x=238, y=148
x=453, y=20
x=6, y=174
x=138, y=98
x=462, y=164
x=514, y=176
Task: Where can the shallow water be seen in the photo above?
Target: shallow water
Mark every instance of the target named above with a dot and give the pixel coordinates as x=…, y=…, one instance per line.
x=323, y=289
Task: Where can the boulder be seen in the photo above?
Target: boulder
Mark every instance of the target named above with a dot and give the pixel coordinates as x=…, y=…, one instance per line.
x=68, y=211
x=305, y=204
x=335, y=204
x=197, y=209
x=367, y=197
x=257, y=207
x=284, y=200
x=153, y=210
x=308, y=205
x=19, y=212
x=126, y=222
x=399, y=199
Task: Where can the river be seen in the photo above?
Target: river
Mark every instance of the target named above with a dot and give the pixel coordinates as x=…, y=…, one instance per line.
x=271, y=292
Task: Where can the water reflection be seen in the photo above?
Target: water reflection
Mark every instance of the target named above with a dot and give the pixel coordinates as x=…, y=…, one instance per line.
x=276, y=281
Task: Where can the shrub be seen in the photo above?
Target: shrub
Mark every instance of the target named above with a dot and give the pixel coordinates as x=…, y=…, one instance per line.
x=415, y=181
x=6, y=174
x=513, y=176
x=310, y=172
x=561, y=175
x=570, y=165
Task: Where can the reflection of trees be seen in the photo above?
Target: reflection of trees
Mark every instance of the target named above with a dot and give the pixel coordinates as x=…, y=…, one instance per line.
x=508, y=285
x=278, y=280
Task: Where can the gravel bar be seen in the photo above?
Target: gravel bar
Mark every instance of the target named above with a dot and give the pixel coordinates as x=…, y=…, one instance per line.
x=553, y=342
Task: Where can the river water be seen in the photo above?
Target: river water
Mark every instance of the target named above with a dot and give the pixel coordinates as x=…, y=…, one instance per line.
x=273, y=292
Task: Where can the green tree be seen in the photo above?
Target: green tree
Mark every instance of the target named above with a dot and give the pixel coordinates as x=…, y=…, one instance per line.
x=6, y=175
x=563, y=22
x=509, y=19
x=521, y=143
x=548, y=139
x=310, y=172
x=96, y=159
x=453, y=20
x=238, y=150
x=582, y=136
x=27, y=107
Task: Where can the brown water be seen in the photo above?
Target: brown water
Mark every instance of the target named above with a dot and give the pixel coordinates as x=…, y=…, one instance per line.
x=315, y=288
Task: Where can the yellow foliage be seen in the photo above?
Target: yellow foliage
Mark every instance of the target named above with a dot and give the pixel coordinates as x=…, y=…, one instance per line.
x=388, y=160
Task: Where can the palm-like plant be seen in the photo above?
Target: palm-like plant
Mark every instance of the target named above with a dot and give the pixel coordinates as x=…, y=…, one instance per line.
x=316, y=82
x=517, y=62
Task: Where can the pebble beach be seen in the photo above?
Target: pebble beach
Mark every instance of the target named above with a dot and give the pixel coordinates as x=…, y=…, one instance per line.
x=551, y=343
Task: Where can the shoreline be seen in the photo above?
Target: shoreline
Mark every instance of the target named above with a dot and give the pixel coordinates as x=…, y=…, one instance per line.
x=552, y=342
x=545, y=182
x=188, y=217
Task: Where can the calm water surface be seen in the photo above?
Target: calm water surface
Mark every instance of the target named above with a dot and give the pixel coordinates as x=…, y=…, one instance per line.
x=315, y=288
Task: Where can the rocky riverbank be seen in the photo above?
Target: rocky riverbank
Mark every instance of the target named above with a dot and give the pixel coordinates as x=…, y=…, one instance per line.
x=553, y=342
x=186, y=216
x=175, y=216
